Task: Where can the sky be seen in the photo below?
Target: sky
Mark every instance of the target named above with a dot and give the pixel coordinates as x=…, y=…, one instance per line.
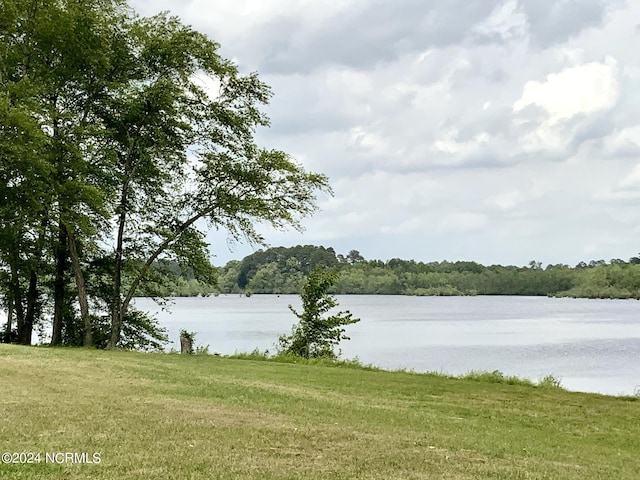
x=495, y=131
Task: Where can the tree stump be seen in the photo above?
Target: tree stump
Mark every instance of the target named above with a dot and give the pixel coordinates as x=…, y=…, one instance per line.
x=186, y=344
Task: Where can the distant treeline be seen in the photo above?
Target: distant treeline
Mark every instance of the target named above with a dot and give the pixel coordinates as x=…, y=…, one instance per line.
x=281, y=270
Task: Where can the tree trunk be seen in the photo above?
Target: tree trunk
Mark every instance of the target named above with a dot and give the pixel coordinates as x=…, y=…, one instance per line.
x=16, y=298
x=82, y=293
x=59, y=285
x=116, y=307
x=7, y=333
x=26, y=333
x=120, y=306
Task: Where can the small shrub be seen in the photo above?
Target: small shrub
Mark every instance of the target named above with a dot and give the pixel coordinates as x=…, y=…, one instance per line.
x=315, y=335
x=256, y=354
x=549, y=381
x=202, y=350
x=495, y=377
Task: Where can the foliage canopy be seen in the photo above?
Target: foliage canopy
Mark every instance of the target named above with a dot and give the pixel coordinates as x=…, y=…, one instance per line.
x=121, y=139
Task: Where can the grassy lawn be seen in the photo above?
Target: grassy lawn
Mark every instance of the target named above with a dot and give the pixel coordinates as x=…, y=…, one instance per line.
x=155, y=416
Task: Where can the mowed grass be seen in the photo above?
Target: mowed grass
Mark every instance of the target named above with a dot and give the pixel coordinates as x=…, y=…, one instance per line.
x=161, y=416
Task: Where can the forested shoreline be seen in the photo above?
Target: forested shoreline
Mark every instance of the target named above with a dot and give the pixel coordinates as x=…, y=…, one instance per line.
x=281, y=270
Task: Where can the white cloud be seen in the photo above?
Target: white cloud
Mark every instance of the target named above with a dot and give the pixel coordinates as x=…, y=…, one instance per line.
x=361, y=139
x=507, y=20
x=624, y=141
x=210, y=86
x=576, y=92
x=633, y=179
x=462, y=222
x=585, y=88
x=498, y=131
x=351, y=90
x=449, y=143
x=235, y=16
x=506, y=200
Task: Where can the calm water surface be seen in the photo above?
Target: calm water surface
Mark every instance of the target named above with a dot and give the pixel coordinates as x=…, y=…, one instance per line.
x=591, y=345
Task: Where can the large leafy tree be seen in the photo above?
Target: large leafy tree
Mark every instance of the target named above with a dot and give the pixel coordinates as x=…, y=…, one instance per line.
x=140, y=137
x=185, y=157
x=58, y=61
x=23, y=201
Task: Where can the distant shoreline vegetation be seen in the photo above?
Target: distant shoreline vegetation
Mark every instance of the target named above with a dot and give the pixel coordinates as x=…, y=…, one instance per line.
x=281, y=270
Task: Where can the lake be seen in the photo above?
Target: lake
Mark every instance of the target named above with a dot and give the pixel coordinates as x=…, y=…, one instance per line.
x=590, y=345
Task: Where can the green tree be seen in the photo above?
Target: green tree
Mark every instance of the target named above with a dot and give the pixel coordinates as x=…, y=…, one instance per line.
x=316, y=335
x=291, y=262
x=56, y=61
x=354, y=257
x=268, y=279
x=105, y=124
x=158, y=119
